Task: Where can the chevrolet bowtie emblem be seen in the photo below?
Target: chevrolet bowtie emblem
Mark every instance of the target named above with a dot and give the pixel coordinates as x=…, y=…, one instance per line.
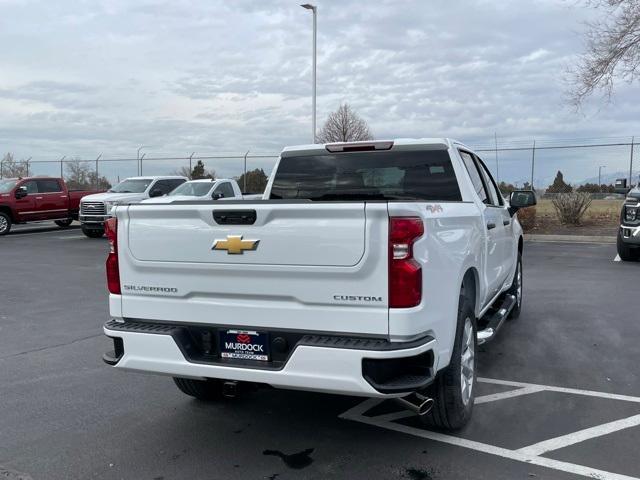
x=234, y=244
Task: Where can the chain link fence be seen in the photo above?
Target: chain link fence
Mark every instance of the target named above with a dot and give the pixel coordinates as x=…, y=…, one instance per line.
x=518, y=162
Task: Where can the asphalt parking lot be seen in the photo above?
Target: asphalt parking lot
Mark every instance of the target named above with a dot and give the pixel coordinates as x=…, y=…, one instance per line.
x=559, y=393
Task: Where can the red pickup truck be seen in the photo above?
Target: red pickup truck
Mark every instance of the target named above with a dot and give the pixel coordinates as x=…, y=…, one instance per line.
x=34, y=199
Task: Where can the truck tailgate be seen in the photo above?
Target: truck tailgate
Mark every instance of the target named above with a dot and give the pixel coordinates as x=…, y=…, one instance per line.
x=318, y=267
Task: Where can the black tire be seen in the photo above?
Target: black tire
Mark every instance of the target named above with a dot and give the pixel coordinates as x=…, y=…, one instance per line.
x=210, y=389
x=450, y=410
x=516, y=289
x=5, y=223
x=93, y=232
x=64, y=223
x=627, y=253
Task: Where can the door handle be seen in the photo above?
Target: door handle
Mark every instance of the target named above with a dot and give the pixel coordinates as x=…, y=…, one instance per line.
x=38, y=198
x=506, y=222
x=491, y=226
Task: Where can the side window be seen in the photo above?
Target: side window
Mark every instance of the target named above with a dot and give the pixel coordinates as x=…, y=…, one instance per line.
x=476, y=179
x=48, y=186
x=175, y=183
x=496, y=197
x=164, y=186
x=225, y=189
x=32, y=186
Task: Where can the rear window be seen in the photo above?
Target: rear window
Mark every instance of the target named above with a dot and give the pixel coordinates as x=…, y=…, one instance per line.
x=388, y=175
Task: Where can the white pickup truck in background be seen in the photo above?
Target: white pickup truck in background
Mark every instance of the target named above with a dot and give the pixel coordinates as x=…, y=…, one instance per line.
x=95, y=209
x=202, y=189
x=369, y=268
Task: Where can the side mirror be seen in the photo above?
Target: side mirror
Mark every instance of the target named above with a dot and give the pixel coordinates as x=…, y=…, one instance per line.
x=521, y=199
x=21, y=192
x=217, y=196
x=156, y=192
x=621, y=186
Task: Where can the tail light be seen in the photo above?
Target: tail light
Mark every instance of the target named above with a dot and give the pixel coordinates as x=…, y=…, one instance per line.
x=113, y=270
x=405, y=273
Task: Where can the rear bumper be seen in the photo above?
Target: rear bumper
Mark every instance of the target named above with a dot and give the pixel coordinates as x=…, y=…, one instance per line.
x=630, y=235
x=320, y=365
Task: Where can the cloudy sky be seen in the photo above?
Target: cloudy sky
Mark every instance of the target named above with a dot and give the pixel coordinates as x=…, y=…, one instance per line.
x=80, y=78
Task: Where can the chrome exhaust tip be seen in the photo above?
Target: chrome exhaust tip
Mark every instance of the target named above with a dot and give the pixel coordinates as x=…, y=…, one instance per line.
x=418, y=404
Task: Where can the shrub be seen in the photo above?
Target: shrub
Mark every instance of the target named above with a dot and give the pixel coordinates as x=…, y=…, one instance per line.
x=571, y=207
x=527, y=218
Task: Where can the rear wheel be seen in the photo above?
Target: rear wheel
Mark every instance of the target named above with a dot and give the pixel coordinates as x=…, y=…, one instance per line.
x=92, y=232
x=64, y=223
x=453, y=390
x=5, y=223
x=516, y=289
x=626, y=253
x=210, y=389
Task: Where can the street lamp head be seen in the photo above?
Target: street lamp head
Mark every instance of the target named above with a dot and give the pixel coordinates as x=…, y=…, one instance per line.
x=308, y=6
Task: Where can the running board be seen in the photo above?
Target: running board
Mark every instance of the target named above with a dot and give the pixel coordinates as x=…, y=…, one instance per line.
x=497, y=319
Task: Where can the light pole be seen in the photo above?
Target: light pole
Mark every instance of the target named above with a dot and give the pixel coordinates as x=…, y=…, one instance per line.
x=139, y=159
x=599, y=176
x=314, y=9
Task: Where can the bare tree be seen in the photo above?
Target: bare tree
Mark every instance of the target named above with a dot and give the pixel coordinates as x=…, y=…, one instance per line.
x=344, y=125
x=13, y=169
x=613, y=50
x=198, y=172
x=80, y=175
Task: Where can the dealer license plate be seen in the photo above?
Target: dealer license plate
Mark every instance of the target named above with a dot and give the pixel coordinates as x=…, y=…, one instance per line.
x=245, y=345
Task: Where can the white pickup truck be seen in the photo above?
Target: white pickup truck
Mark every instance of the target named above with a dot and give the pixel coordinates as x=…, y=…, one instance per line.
x=368, y=268
x=202, y=189
x=95, y=209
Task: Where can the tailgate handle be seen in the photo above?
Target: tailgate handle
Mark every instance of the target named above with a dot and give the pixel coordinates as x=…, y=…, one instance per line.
x=234, y=217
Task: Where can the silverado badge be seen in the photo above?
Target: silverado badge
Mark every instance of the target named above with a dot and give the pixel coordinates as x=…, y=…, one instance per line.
x=234, y=244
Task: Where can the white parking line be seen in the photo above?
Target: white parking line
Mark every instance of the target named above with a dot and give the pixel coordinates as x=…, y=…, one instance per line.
x=492, y=449
x=617, y=259
x=530, y=454
x=580, y=436
x=509, y=394
x=551, y=388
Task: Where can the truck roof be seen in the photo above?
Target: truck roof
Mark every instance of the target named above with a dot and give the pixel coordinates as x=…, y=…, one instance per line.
x=205, y=180
x=155, y=177
x=37, y=177
x=397, y=144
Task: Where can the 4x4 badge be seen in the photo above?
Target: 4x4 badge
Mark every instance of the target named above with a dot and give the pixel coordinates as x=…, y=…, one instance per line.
x=234, y=244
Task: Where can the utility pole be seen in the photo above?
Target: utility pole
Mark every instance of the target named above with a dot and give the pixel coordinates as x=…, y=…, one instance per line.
x=533, y=162
x=631, y=163
x=599, y=176
x=97, y=172
x=495, y=137
x=61, y=164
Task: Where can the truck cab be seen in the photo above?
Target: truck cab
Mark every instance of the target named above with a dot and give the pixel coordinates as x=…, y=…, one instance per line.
x=202, y=189
x=95, y=209
x=35, y=199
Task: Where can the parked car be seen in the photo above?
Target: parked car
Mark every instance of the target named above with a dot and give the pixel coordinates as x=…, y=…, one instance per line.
x=208, y=188
x=374, y=269
x=628, y=241
x=34, y=199
x=95, y=209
